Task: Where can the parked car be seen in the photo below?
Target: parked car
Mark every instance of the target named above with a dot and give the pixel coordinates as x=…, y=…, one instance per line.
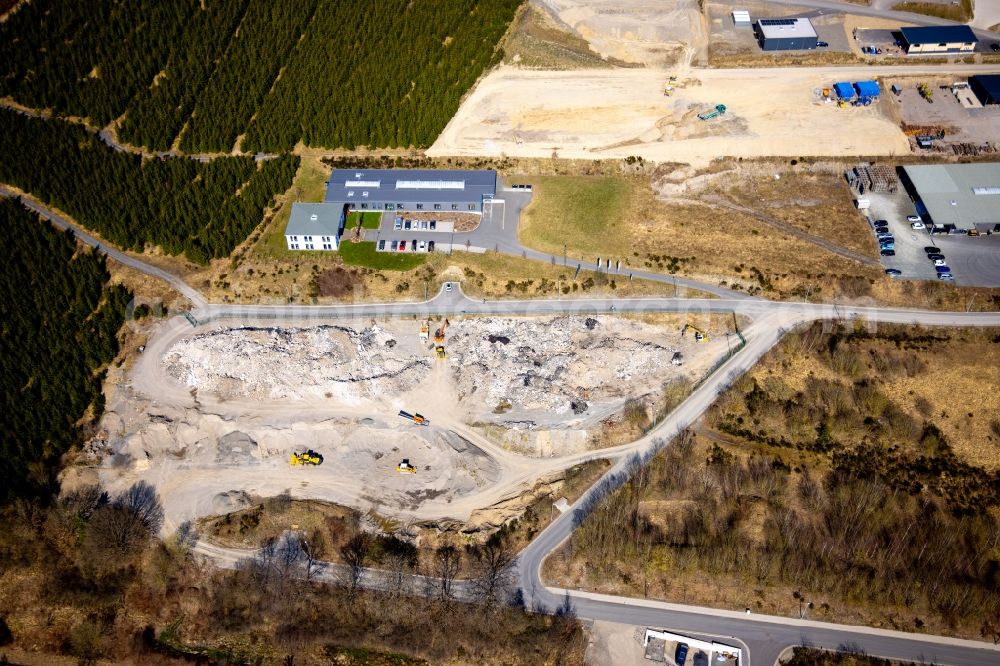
x=413, y=245
x=945, y=276
x=885, y=252
x=381, y=244
x=447, y=286
x=681, y=655
x=942, y=269
x=917, y=225
x=395, y=245
x=430, y=246
x=407, y=224
x=398, y=225
x=913, y=218
x=995, y=46
x=423, y=245
x=930, y=249
x=940, y=262
x=885, y=236
x=433, y=225
x=821, y=44
x=423, y=224
x=402, y=246
x=934, y=257
x=881, y=227
x=887, y=246
x=893, y=272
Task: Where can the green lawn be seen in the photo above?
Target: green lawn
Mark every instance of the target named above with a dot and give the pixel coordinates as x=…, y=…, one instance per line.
x=364, y=254
x=369, y=220
x=588, y=213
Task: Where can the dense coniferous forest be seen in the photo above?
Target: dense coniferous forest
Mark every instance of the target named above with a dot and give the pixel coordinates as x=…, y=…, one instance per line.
x=87, y=58
x=59, y=324
x=159, y=111
x=201, y=209
x=332, y=73
x=391, y=75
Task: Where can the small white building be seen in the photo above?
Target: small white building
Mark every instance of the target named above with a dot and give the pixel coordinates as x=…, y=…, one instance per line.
x=314, y=226
x=741, y=17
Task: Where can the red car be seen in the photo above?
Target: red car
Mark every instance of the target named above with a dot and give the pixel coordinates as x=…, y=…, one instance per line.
x=402, y=246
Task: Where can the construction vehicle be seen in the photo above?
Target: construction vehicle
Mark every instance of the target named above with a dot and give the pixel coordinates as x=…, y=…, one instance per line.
x=440, y=351
x=419, y=419
x=405, y=467
x=424, y=329
x=719, y=110
x=308, y=457
x=699, y=335
x=439, y=334
x=668, y=90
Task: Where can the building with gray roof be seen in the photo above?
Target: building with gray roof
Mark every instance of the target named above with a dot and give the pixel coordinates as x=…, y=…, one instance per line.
x=412, y=189
x=314, y=226
x=785, y=34
x=318, y=226
x=955, y=197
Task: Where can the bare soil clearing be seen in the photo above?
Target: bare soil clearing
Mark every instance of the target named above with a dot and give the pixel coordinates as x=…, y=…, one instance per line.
x=212, y=416
x=600, y=114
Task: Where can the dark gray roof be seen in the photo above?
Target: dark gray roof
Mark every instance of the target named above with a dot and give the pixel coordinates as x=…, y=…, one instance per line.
x=939, y=34
x=314, y=219
x=417, y=185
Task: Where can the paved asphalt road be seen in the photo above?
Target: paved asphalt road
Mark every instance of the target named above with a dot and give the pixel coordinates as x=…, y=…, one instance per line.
x=764, y=636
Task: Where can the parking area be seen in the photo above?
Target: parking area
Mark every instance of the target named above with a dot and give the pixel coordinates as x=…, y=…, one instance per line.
x=428, y=232
x=974, y=261
x=954, y=110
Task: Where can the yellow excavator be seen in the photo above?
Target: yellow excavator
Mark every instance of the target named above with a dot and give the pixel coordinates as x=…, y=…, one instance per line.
x=405, y=467
x=699, y=335
x=439, y=334
x=308, y=457
x=440, y=351
x=419, y=419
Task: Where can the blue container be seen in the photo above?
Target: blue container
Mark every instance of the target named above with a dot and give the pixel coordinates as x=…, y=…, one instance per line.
x=844, y=90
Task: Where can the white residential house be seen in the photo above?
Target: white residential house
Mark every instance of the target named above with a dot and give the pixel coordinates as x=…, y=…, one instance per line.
x=314, y=226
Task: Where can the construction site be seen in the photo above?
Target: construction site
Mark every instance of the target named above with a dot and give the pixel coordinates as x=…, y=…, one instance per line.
x=421, y=420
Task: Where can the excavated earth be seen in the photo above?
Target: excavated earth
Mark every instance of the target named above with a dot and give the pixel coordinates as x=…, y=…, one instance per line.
x=212, y=416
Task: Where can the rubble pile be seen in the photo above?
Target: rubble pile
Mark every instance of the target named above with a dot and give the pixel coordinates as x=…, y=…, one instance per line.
x=561, y=366
x=290, y=363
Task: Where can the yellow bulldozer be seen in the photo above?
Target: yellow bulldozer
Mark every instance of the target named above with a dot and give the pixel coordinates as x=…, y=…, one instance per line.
x=405, y=467
x=308, y=457
x=699, y=335
x=440, y=351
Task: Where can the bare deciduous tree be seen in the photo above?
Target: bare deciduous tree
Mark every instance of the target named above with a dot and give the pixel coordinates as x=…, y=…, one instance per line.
x=355, y=555
x=494, y=570
x=127, y=523
x=447, y=562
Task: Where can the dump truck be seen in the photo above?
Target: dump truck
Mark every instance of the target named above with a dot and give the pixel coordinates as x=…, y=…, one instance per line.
x=699, y=335
x=419, y=419
x=439, y=334
x=308, y=457
x=405, y=467
x=720, y=109
x=424, y=329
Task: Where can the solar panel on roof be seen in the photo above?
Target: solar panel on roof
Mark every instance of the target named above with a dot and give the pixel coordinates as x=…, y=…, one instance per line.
x=777, y=21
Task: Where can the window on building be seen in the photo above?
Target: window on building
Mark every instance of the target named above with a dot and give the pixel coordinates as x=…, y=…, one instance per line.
x=399, y=206
x=420, y=206
x=327, y=246
x=364, y=206
x=437, y=206
x=295, y=239
x=472, y=206
x=307, y=239
x=295, y=246
x=309, y=246
x=388, y=206
x=454, y=206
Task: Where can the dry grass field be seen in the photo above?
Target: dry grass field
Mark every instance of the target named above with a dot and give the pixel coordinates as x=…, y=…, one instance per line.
x=828, y=416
